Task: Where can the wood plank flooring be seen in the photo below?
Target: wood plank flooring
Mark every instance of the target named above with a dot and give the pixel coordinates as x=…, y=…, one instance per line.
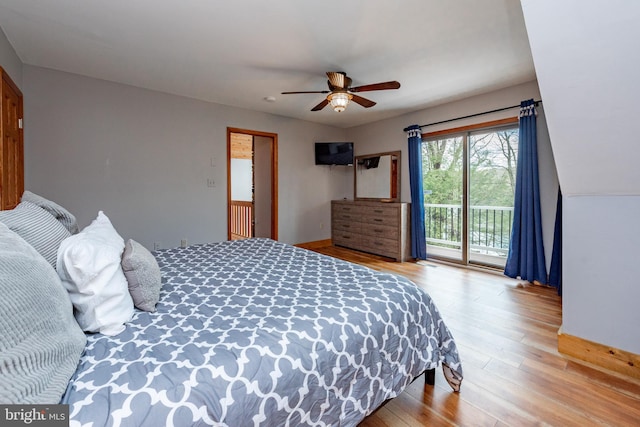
x=507, y=338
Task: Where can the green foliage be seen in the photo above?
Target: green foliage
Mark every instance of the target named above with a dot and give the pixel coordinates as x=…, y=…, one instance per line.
x=442, y=171
x=488, y=188
x=492, y=170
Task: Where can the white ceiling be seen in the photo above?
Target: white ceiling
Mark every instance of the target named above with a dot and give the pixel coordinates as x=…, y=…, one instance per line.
x=239, y=52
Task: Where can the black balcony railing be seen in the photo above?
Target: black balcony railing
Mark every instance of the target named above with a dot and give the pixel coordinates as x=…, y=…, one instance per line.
x=489, y=227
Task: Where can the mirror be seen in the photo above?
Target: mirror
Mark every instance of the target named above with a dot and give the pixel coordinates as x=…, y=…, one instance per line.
x=377, y=177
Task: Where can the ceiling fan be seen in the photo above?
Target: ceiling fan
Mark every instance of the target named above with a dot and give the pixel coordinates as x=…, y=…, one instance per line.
x=340, y=92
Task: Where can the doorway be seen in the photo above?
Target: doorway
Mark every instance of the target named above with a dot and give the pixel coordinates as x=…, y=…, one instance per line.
x=252, y=178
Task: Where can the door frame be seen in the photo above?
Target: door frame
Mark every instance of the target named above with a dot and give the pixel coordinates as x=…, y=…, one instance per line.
x=274, y=176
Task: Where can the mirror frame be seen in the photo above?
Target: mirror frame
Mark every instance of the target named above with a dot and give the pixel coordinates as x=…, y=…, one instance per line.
x=395, y=179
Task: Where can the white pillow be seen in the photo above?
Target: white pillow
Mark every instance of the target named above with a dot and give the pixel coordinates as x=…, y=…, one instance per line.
x=89, y=266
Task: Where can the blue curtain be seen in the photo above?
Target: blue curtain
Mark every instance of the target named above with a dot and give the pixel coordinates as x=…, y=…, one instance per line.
x=526, y=250
x=418, y=238
x=555, y=271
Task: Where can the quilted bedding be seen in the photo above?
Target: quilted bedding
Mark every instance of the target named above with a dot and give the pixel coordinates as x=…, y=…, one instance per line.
x=259, y=333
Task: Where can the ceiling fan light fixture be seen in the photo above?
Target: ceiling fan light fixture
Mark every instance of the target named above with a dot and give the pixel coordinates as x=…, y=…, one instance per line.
x=339, y=100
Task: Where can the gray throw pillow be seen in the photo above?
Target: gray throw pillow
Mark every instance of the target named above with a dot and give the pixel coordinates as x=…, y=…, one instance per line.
x=38, y=227
x=61, y=214
x=143, y=275
x=40, y=341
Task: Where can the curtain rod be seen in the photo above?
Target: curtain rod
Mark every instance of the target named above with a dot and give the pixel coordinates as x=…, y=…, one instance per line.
x=536, y=103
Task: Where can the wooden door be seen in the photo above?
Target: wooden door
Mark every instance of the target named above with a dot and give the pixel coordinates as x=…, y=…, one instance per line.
x=12, y=149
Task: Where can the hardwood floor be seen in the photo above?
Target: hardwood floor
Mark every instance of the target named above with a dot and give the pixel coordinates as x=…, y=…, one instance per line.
x=507, y=338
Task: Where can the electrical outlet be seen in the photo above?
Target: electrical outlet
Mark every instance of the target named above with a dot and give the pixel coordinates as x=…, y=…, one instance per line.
x=183, y=243
x=157, y=245
x=211, y=183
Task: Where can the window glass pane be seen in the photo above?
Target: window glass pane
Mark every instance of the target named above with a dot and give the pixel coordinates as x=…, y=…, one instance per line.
x=492, y=176
x=442, y=172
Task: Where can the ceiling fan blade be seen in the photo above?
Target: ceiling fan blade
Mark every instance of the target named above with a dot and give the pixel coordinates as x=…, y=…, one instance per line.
x=321, y=105
x=337, y=79
x=308, y=91
x=366, y=103
x=376, y=86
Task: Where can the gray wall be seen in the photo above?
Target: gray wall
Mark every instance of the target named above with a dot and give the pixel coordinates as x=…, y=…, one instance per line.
x=9, y=61
x=586, y=60
x=144, y=157
x=388, y=135
x=601, y=269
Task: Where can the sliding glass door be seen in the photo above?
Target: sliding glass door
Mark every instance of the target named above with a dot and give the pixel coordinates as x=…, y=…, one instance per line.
x=469, y=182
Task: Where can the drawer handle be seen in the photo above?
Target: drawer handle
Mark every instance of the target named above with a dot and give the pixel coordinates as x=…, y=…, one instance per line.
x=346, y=237
x=378, y=210
x=346, y=209
x=378, y=219
x=378, y=231
x=346, y=225
x=378, y=243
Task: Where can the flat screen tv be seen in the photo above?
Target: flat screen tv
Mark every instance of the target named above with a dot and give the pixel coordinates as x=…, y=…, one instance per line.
x=334, y=153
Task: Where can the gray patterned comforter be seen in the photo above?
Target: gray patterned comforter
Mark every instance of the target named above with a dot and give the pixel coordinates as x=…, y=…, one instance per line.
x=259, y=333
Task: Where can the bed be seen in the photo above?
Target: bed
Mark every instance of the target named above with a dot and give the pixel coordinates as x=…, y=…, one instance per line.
x=259, y=333
x=256, y=332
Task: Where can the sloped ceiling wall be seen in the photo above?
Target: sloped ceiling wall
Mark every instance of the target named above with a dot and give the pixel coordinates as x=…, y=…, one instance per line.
x=588, y=66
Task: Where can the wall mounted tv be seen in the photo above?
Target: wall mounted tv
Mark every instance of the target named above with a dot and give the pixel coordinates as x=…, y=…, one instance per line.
x=334, y=153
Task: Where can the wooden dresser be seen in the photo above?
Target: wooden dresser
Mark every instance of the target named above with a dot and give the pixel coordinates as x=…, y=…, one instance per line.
x=375, y=227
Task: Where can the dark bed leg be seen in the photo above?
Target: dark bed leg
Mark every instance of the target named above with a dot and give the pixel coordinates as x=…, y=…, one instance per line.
x=430, y=376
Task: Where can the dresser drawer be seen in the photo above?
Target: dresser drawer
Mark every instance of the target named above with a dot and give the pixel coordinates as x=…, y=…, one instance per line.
x=383, y=210
x=380, y=246
x=346, y=208
x=346, y=238
x=377, y=219
x=378, y=230
x=338, y=215
x=346, y=225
